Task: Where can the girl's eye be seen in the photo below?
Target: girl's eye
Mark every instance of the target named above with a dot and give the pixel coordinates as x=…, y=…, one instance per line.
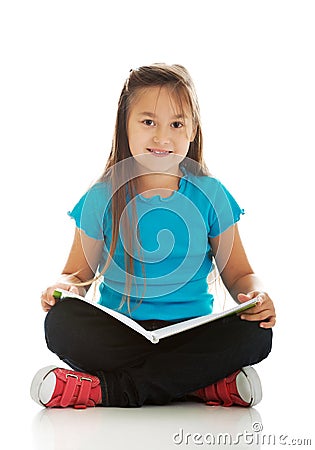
x=177, y=124
x=148, y=122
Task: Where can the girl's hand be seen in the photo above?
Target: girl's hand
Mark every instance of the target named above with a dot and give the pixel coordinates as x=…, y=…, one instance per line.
x=264, y=311
x=48, y=300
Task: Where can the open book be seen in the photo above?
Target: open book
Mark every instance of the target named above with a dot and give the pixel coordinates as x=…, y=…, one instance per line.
x=169, y=330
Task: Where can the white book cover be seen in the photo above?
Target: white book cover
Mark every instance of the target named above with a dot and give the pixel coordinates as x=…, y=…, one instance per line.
x=156, y=335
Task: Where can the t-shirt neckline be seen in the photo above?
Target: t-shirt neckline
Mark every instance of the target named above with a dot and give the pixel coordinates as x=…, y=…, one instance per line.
x=158, y=198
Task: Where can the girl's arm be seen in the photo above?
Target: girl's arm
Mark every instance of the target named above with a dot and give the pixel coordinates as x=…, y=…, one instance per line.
x=80, y=267
x=239, y=277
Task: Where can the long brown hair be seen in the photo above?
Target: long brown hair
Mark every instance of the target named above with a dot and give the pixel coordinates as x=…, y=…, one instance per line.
x=177, y=79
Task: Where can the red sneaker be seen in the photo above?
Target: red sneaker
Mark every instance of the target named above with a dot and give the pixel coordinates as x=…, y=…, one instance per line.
x=54, y=387
x=242, y=388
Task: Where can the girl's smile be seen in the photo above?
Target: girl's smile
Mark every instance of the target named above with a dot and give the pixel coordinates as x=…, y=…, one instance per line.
x=159, y=152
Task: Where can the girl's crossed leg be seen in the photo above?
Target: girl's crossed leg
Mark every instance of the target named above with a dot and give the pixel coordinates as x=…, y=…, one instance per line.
x=133, y=371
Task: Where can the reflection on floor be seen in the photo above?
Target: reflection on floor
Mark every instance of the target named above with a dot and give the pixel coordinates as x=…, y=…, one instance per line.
x=179, y=425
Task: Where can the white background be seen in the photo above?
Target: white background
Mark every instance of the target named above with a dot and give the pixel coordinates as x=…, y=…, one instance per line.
x=63, y=64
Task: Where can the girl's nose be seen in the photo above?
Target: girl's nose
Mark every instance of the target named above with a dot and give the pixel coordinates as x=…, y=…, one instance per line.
x=161, y=139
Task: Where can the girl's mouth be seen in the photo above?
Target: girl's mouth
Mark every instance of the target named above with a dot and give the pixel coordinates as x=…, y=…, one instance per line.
x=159, y=152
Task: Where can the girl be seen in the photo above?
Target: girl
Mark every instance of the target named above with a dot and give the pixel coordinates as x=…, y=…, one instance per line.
x=152, y=229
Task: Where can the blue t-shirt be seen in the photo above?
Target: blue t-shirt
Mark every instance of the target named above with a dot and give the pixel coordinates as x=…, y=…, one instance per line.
x=175, y=250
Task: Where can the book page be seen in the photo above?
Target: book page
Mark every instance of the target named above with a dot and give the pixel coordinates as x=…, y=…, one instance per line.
x=117, y=315
x=196, y=321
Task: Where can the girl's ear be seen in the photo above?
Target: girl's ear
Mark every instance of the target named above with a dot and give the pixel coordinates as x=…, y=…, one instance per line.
x=193, y=134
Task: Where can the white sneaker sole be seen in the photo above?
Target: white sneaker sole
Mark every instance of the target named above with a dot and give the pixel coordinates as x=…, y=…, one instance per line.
x=254, y=384
x=38, y=394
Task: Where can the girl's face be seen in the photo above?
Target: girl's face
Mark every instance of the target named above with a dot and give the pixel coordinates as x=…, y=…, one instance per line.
x=159, y=130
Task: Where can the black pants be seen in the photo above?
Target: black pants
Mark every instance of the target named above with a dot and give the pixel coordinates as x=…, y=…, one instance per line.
x=133, y=371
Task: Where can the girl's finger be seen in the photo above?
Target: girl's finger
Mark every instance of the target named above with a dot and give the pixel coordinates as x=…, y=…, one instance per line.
x=271, y=323
x=263, y=315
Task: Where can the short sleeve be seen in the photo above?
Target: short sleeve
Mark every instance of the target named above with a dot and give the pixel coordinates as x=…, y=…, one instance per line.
x=224, y=211
x=90, y=211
